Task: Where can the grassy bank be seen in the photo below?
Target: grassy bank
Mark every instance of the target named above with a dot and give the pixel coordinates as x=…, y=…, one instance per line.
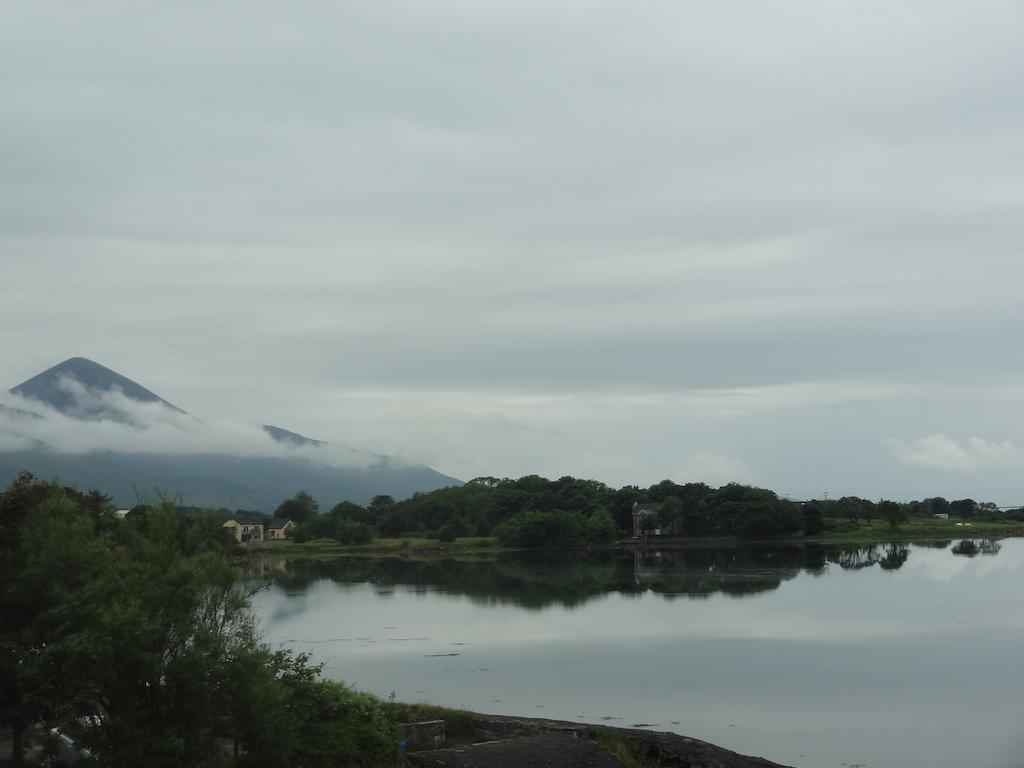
x=917, y=528
x=837, y=531
x=459, y=724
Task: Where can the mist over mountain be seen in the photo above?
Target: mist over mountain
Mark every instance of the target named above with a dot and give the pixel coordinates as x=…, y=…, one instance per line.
x=51, y=388
x=92, y=427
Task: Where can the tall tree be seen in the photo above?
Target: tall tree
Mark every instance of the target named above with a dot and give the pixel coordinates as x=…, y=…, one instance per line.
x=300, y=508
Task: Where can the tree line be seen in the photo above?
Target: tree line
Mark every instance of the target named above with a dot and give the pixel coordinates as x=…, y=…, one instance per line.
x=137, y=633
x=533, y=511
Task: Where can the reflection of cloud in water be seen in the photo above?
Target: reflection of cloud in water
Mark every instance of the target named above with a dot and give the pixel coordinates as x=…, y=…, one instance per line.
x=944, y=566
x=795, y=663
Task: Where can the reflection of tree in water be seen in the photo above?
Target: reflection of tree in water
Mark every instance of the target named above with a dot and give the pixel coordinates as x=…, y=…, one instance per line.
x=974, y=547
x=933, y=543
x=856, y=558
x=729, y=570
x=571, y=578
x=895, y=556
x=889, y=557
x=538, y=579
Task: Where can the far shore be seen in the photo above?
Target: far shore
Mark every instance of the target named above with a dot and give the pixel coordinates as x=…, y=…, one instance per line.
x=840, y=532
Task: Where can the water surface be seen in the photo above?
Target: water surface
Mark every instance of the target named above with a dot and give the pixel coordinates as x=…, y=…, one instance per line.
x=894, y=655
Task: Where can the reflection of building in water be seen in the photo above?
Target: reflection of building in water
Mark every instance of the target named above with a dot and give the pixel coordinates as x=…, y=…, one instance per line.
x=647, y=521
x=649, y=567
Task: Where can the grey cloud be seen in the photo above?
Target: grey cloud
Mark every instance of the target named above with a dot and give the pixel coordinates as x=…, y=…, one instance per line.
x=260, y=211
x=120, y=424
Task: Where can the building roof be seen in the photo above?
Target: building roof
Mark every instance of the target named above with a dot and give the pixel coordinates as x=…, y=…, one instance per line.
x=243, y=521
x=279, y=522
x=645, y=508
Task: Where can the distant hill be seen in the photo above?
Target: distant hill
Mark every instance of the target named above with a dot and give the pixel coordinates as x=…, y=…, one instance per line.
x=199, y=478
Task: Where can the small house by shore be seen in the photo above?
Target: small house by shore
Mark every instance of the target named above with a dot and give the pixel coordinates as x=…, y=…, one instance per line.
x=279, y=528
x=244, y=532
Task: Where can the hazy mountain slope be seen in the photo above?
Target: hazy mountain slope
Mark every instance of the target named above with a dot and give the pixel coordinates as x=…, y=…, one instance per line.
x=287, y=436
x=200, y=478
x=47, y=386
x=218, y=480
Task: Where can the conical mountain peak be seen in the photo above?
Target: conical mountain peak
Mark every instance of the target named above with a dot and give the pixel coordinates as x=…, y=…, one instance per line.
x=50, y=386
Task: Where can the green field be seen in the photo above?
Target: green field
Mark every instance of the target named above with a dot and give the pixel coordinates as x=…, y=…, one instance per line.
x=841, y=530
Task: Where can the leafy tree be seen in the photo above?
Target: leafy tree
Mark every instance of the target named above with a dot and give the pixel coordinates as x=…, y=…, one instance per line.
x=144, y=624
x=600, y=527
x=894, y=514
x=333, y=725
x=963, y=507
x=552, y=529
x=347, y=510
x=854, y=508
x=381, y=505
x=49, y=554
x=670, y=514
x=814, y=522
x=300, y=508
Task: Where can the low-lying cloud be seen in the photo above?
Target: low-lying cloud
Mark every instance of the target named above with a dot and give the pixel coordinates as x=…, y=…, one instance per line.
x=111, y=421
x=942, y=452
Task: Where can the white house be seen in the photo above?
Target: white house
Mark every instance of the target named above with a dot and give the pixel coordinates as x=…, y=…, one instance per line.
x=245, y=533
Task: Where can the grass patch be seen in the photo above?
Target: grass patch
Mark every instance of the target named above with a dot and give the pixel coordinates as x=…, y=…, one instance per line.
x=623, y=751
x=842, y=530
x=459, y=725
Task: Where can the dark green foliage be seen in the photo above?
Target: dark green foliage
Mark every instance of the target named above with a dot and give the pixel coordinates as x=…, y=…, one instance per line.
x=324, y=723
x=534, y=511
x=334, y=527
x=448, y=533
x=894, y=514
x=853, y=508
x=557, y=528
x=543, y=529
x=141, y=626
x=814, y=522
x=300, y=507
x=964, y=507
x=50, y=551
x=741, y=510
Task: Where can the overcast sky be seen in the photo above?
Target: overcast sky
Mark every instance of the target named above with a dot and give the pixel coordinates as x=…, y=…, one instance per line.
x=777, y=242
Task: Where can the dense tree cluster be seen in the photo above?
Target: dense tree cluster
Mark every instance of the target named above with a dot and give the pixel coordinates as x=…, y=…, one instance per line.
x=533, y=511
x=138, y=630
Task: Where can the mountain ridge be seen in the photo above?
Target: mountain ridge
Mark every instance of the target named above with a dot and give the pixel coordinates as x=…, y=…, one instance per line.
x=215, y=478
x=47, y=387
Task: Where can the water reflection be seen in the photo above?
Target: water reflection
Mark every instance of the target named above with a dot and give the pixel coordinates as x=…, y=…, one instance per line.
x=812, y=655
x=535, y=580
x=971, y=547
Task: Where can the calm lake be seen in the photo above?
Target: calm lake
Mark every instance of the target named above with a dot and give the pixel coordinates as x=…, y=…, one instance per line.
x=813, y=656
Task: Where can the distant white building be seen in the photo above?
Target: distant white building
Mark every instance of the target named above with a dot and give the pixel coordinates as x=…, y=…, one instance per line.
x=941, y=515
x=245, y=533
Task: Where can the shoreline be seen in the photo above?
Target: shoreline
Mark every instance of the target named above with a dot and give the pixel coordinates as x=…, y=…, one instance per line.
x=482, y=546
x=486, y=741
